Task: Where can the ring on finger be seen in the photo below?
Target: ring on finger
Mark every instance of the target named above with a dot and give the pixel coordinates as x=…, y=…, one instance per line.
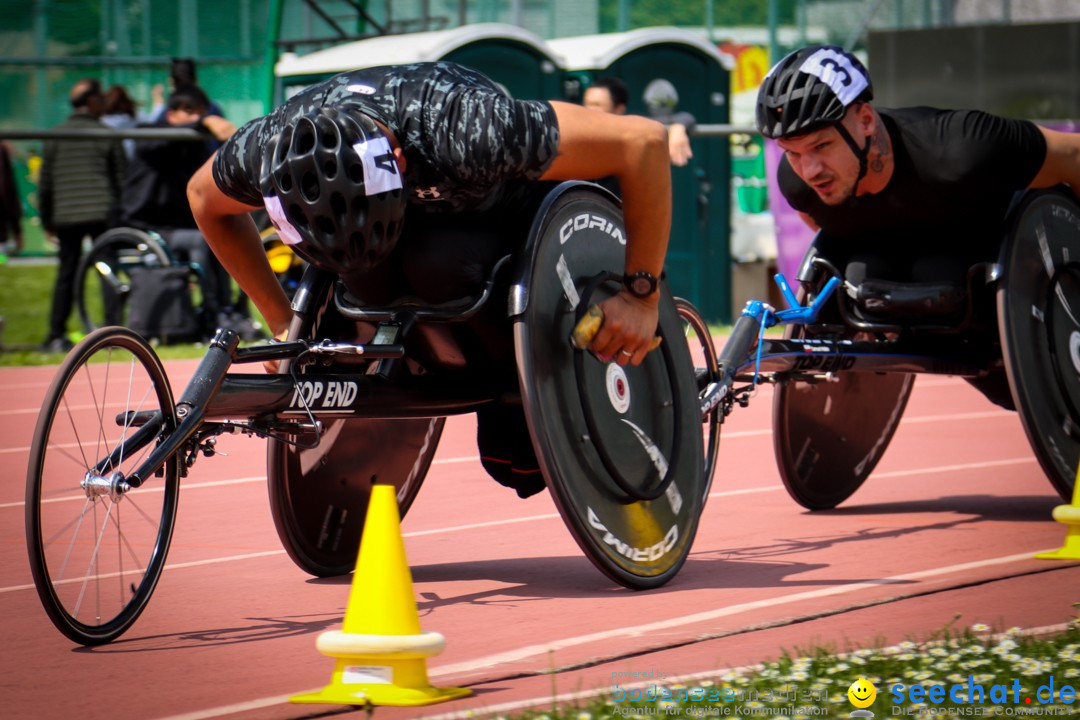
x=626, y=353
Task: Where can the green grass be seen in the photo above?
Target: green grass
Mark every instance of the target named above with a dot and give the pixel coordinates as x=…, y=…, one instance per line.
x=815, y=683
x=25, y=298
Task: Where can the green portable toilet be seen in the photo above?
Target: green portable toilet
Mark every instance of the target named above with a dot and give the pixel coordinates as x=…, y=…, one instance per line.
x=680, y=66
x=508, y=54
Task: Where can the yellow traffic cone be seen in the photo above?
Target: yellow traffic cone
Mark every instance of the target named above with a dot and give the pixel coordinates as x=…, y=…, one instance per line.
x=1068, y=515
x=380, y=649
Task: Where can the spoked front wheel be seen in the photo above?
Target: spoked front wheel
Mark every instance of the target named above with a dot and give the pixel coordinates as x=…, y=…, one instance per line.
x=703, y=355
x=97, y=546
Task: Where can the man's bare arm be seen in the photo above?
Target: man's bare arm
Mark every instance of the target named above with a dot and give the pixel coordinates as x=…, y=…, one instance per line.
x=1062, y=163
x=232, y=235
x=633, y=149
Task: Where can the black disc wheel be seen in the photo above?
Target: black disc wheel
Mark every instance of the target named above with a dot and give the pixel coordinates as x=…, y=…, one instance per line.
x=103, y=279
x=97, y=545
x=706, y=371
x=1039, y=321
x=620, y=447
x=830, y=433
x=319, y=495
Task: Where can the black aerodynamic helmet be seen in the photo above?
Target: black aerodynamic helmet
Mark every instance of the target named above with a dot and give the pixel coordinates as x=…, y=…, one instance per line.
x=333, y=190
x=810, y=88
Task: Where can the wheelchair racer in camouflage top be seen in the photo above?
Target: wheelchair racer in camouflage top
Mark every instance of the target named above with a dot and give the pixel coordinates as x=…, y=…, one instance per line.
x=423, y=176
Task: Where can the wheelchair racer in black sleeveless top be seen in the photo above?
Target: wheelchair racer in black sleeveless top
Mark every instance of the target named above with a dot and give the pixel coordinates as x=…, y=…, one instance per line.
x=913, y=195
x=426, y=174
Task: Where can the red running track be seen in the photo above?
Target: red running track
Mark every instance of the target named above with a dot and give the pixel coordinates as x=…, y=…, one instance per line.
x=946, y=527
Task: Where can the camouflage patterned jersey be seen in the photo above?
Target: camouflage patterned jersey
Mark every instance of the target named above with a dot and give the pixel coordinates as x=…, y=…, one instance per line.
x=467, y=144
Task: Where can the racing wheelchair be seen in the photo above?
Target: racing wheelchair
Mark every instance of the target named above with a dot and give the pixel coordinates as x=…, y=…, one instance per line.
x=361, y=398
x=847, y=362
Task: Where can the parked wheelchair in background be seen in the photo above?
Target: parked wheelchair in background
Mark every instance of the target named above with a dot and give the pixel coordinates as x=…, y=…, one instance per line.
x=361, y=398
x=131, y=277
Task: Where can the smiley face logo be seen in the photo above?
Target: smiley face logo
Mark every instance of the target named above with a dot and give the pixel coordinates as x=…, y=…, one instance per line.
x=862, y=693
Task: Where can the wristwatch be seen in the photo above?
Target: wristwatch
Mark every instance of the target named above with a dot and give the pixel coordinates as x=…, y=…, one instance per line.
x=641, y=284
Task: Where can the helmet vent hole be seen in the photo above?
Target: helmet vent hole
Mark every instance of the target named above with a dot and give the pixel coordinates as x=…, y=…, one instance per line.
x=296, y=215
x=329, y=169
x=309, y=187
x=283, y=146
x=285, y=181
x=304, y=141
x=325, y=225
x=356, y=173
x=337, y=205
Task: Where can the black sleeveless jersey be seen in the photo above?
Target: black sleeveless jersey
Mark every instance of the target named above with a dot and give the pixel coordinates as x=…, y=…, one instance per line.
x=955, y=174
x=468, y=145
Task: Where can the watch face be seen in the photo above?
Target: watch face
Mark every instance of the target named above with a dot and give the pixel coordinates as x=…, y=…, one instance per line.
x=642, y=284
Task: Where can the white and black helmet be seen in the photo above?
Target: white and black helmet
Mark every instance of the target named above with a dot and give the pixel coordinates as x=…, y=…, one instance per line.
x=333, y=190
x=813, y=88
x=810, y=88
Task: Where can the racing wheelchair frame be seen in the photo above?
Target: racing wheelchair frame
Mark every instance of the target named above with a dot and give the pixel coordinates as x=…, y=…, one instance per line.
x=361, y=398
x=845, y=368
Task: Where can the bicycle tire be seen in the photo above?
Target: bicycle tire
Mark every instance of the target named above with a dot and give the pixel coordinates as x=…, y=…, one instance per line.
x=696, y=329
x=85, y=393
x=105, y=265
x=318, y=497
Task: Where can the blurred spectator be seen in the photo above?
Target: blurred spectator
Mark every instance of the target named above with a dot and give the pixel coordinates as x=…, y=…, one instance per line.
x=120, y=113
x=10, y=204
x=78, y=196
x=155, y=194
x=609, y=94
x=182, y=74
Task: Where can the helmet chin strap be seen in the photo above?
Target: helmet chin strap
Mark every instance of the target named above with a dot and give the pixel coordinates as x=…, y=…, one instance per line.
x=862, y=154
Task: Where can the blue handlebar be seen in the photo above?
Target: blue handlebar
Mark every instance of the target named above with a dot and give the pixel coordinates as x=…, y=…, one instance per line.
x=756, y=317
x=799, y=314
x=795, y=314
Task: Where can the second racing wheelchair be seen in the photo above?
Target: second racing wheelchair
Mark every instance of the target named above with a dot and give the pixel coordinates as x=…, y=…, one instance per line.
x=846, y=365
x=361, y=399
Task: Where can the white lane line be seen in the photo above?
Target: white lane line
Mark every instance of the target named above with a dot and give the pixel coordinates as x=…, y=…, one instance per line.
x=15, y=387
x=37, y=410
x=168, y=566
x=981, y=415
x=723, y=493
x=147, y=490
x=529, y=518
x=918, y=420
x=415, y=533
x=955, y=468
x=210, y=483
x=529, y=651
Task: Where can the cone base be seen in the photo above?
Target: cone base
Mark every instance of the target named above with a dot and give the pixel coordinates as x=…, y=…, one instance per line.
x=390, y=695
x=1062, y=554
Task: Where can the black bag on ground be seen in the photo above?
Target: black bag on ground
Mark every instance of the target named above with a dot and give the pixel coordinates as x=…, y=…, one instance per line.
x=160, y=305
